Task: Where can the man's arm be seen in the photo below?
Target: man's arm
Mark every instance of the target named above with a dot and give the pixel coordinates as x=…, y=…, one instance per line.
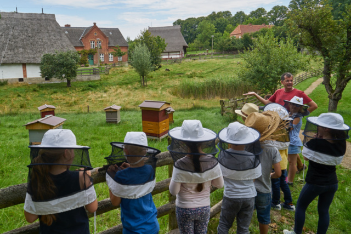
x=262, y=100
x=312, y=106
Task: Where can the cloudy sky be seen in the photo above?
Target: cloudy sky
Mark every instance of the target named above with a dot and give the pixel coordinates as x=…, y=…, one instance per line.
x=132, y=16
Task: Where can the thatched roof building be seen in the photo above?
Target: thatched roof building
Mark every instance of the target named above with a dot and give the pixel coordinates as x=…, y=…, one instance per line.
x=176, y=44
x=24, y=39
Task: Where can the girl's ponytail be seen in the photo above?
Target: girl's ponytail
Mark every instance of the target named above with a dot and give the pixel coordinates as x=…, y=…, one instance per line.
x=41, y=184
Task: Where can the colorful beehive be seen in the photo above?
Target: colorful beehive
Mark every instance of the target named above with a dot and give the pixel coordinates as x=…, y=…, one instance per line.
x=46, y=110
x=170, y=111
x=155, y=118
x=113, y=114
x=39, y=127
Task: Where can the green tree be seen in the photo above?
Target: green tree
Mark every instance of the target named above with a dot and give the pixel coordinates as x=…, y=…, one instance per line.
x=277, y=15
x=238, y=18
x=117, y=52
x=220, y=25
x=61, y=65
x=301, y=4
x=205, y=29
x=258, y=13
x=155, y=44
x=141, y=61
x=268, y=59
x=318, y=31
x=247, y=41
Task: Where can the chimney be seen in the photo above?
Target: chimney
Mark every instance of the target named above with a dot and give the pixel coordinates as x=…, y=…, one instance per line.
x=263, y=24
x=94, y=24
x=67, y=25
x=250, y=24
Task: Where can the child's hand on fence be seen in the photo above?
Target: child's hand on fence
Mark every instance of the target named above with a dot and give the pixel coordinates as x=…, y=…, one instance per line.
x=124, y=166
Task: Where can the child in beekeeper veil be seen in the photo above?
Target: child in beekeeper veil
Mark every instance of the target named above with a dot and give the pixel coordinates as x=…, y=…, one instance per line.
x=131, y=179
x=59, y=184
x=324, y=147
x=240, y=164
x=195, y=170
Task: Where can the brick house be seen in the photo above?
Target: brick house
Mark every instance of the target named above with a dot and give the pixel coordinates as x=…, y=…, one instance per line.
x=85, y=38
x=240, y=30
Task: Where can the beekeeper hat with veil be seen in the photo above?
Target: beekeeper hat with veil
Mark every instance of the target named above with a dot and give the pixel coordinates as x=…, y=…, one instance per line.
x=325, y=139
x=240, y=149
x=193, y=151
x=139, y=160
x=57, y=164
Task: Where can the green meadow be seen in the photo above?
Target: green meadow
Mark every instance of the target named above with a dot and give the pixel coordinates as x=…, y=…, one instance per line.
x=18, y=106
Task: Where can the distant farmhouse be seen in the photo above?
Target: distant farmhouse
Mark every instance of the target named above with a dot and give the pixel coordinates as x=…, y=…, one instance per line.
x=86, y=38
x=240, y=30
x=24, y=39
x=176, y=45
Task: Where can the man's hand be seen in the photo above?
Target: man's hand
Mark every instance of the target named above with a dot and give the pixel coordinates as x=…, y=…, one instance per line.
x=250, y=93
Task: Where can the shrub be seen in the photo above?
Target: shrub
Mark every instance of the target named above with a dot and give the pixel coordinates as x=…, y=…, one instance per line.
x=3, y=82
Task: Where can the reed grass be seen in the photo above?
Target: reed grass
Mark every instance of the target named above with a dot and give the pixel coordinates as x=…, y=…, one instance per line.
x=219, y=87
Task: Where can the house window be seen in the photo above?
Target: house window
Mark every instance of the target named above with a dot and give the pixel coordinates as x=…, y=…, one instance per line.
x=239, y=37
x=92, y=44
x=99, y=44
x=119, y=58
x=102, y=58
x=110, y=57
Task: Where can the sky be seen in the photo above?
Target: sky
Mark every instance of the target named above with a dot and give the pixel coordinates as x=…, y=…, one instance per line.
x=132, y=16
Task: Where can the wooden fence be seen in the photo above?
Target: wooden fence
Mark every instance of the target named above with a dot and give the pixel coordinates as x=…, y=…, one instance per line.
x=15, y=195
x=89, y=71
x=229, y=106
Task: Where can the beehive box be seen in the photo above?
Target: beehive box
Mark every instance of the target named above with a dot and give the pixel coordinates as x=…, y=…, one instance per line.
x=155, y=119
x=170, y=112
x=39, y=127
x=113, y=114
x=46, y=110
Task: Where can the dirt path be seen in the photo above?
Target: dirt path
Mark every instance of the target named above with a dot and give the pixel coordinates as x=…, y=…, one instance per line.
x=314, y=85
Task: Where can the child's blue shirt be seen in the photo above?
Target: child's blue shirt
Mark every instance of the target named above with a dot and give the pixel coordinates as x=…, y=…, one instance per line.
x=138, y=215
x=295, y=132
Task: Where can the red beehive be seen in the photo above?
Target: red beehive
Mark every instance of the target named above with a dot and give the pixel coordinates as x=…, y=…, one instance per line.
x=155, y=118
x=46, y=110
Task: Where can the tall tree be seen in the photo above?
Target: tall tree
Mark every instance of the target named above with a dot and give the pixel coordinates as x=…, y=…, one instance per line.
x=60, y=65
x=259, y=12
x=238, y=18
x=268, y=59
x=205, y=30
x=141, y=61
x=156, y=45
x=319, y=31
x=301, y=4
x=277, y=15
x=221, y=25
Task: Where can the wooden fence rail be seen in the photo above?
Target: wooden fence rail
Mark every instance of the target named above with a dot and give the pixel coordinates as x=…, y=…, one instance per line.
x=15, y=195
x=229, y=106
x=89, y=71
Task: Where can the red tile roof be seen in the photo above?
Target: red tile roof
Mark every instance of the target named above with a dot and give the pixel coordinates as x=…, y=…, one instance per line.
x=242, y=29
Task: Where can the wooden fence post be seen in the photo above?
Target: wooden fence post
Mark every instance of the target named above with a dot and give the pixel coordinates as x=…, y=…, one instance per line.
x=172, y=219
